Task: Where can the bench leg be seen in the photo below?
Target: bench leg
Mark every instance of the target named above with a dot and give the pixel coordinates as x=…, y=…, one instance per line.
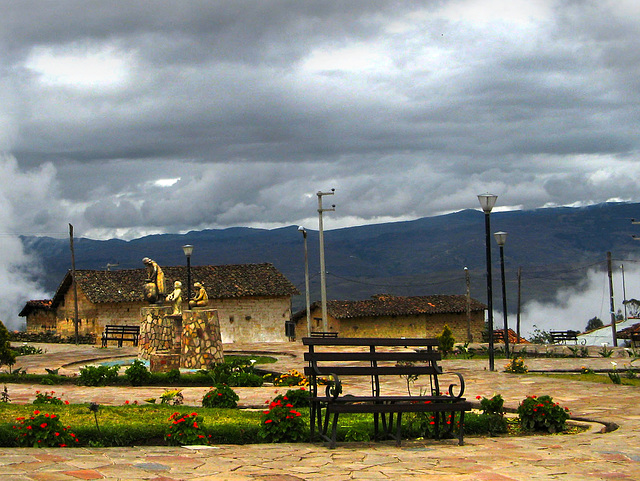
x=461, y=430
x=399, y=429
x=334, y=429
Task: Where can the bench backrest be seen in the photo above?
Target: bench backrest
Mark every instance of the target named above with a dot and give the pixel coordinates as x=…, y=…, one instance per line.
x=372, y=357
x=113, y=329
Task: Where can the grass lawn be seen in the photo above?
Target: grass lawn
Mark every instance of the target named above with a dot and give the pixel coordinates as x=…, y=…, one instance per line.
x=592, y=377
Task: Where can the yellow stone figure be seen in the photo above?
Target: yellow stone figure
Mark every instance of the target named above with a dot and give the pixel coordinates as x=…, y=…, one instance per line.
x=201, y=299
x=175, y=298
x=155, y=276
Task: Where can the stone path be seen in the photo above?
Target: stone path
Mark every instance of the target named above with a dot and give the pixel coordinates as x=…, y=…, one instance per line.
x=593, y=455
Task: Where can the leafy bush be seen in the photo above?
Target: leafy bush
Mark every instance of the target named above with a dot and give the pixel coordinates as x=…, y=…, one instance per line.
x=296, y=397
x=516, y=366
x=185, y=429
x=43, y=430
x=137, y=374
x=446, y=341
x=540, y=336
x=291, y=378
x=493, y=414
x=7, y=355
x=237, y=373
x=281, y=424
x=47, y=398
x=542, y=414
x=26, y=349
x=98, y=375
x=173, y=376
x=220, y=397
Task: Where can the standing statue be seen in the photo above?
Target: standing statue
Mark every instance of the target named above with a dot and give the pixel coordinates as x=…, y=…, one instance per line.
x=201, y=299
x=154, y=288
x=176, y=298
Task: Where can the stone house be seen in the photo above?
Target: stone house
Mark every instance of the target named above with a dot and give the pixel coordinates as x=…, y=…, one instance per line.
x=393, y=316
x=41, y=317
x=253, y=300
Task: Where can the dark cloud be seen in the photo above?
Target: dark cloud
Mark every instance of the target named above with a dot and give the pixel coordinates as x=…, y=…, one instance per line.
x=158, y=116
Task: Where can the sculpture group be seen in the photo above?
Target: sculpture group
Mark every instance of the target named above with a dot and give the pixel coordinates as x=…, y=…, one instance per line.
x=154, y=290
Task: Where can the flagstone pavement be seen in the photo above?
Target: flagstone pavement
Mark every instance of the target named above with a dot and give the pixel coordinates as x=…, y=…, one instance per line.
x=595, y=454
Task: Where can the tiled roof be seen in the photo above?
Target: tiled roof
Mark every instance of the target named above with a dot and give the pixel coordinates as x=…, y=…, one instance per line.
x=626, y=333
x=42, y=304
x=221, y=282
x=385, y=305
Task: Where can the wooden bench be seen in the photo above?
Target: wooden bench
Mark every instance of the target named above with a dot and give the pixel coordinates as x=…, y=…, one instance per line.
x=376, y=358
x=332, y=335
x=120, y=334
x=558, y=337
x=498, y=335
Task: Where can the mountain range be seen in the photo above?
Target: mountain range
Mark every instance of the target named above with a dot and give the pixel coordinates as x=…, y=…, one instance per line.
x=553, y=247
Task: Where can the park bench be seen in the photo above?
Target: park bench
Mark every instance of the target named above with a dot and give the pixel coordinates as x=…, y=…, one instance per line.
x=498, y=335
x=120, y=334
x=324, y=334
x=333, y=361
x=558, y=337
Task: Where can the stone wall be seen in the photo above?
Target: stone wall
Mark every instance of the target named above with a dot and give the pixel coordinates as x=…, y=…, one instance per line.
x=252, y=319
x=159, y=332
x=40, y=320
x=201, y=339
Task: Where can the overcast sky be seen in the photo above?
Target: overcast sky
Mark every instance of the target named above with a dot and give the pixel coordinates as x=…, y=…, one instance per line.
x=132, y=117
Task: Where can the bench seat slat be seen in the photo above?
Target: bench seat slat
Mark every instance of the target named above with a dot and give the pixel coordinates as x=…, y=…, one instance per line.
x=368, y=341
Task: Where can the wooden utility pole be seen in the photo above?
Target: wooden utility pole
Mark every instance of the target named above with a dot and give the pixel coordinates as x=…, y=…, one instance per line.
x=468, y=280
x=519, y=303
x=73, y=281
x=611, y=303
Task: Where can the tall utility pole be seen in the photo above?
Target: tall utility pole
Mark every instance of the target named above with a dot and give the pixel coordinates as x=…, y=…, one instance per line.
x=519, y=303
x=611, y=303
x=323, y=278
x=468, y=282
x=75, y=284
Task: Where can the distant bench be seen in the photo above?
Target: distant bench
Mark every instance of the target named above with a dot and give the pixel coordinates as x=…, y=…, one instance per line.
x=120, y=334
x=331, y=335
x=558, y=337
x=376, y=359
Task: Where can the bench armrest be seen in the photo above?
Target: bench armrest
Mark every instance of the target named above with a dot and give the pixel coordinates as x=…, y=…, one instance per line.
x=334, y=386
x=451, y=386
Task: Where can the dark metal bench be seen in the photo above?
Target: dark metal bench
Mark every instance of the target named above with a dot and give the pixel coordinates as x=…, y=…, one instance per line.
x=323, y=334
x=558, y=337
x=374, y=358
x=120, y=334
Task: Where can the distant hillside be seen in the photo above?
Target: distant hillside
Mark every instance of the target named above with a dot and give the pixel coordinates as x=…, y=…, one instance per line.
x=420, y=257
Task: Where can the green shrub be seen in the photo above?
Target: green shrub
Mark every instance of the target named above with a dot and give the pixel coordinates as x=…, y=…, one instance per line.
x=281, y=424
x=173, y=376
x=516, y=366
x=43, y=430
x=446, y=341
x=220, y=397
x=493, y=415
x=98, y=375
x=542, y=414
x=7, y=355
x=185, y=429
x=238, y=372
x=137, y=374
x=47, y=398
x=298, y=398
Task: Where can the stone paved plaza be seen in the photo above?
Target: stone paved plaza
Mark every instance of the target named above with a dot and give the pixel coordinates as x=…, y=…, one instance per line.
x=592, y=455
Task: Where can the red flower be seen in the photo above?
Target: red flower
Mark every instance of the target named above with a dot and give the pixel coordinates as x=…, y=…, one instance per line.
x=43, y=425
x=478, y=397
x=268, y=421
x=36, y=412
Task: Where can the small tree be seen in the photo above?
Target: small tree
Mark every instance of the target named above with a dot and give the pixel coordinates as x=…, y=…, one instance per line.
x=7, y=356
x=594, y=323
x=446, y=341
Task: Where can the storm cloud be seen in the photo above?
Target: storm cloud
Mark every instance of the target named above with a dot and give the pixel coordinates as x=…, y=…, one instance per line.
x=167, y=116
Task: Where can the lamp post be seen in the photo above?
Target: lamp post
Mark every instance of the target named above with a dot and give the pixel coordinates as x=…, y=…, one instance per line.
x=188, y=250
x=306, y=278
x=487, y=201
x=501, y=238
x=624, y=293
x=323, y=278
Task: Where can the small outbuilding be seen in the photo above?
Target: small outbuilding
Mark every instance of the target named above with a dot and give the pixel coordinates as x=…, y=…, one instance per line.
x=395, y=316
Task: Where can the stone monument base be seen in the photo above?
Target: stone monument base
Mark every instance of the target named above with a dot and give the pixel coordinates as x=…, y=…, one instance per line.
x=164, y=362
x=201, y=339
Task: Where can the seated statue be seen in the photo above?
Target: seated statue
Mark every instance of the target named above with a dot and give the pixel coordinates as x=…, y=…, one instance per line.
x=201, y=298
x=175, y=298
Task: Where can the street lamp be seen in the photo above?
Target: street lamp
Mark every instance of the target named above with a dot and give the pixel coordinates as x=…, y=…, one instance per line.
x=188, y=250
x=501, y=238
x=306, y=278
x=487, y=201
x=323, y=278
